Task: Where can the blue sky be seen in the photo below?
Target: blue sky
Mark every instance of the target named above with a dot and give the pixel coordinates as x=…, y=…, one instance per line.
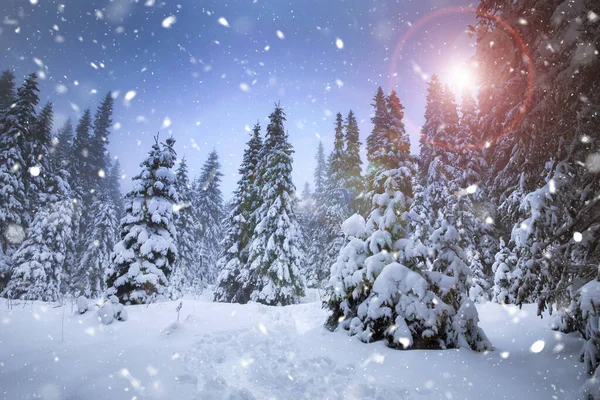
x=205, y=71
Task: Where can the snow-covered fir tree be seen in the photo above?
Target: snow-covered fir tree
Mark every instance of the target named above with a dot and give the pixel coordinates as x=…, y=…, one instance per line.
x=320, y=175
x=456, y=162
x=378, y=291
x=313, y=246
x=469, y=155
x=371, y=246
x=17, y=127
x=434, y=124
x=7, y=91
x=377, y=144
x=187, y=275
x=541, y=139
x=144, y=257
x=38, y=158
x=306, y=208
x=332, y=210
x=113, y=183
x=99, y=244
x=208, y=201
x=275, y=253
x=39, y=262
x=63, y=141
x=99, y=141
x=7, y=98
x=89, y=163
x=80, y=164
x=504, y=268
x=353, y=180
x=235, y=280
x=452, y=249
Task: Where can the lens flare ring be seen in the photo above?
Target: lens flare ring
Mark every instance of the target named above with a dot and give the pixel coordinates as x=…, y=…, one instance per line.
x=499, y=22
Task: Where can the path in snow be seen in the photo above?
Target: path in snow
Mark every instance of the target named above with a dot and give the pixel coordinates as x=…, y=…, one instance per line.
x=232, y=351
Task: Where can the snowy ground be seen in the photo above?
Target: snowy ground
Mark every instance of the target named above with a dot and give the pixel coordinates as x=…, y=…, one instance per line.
x=232, y=351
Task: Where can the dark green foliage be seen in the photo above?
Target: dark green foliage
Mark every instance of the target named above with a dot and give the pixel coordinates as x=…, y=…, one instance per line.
x=275, y=254
x=146, y=254
x=234, y=281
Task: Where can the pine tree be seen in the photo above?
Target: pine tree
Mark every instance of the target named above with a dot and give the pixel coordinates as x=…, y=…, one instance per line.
x=99, y=141
x=469, y=157
x=307, y=195
x=320, y=175
x=38, y=264
x=235, y=282
x=7, y=91
x=187, y=271
x=99, y=245
x=353, y=164
x=331, y=211
x=80, y=163
x=16, y=130
x=38, y=157
x=372, y=295
x=452, y=249
x=377, y=144
x=113, y=182
x=209, y=203
x=372, y=247
x=315, y=241
x=7, y=98
x=392, y=286
x=468, y=148
x=145, y=255
x=413, y=249
x=306, y=209
x=503, y=268
x=275, y=254
x=402, y=161
x=63, y=146
x=432, y=128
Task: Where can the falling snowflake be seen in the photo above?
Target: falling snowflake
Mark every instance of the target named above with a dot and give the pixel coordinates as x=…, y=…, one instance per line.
x=472, y=189
x=280, y=35
x=14, y=234
x=592, y=163
x=130, y=95
x=167, y=22
x=537, y=347
x=339, y=43
x=224, y=22
x=34, y=171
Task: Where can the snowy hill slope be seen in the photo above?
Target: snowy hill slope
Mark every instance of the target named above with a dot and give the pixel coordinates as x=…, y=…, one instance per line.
x=232, y=351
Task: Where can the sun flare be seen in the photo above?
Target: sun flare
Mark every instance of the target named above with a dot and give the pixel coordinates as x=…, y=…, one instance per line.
x=462, y=77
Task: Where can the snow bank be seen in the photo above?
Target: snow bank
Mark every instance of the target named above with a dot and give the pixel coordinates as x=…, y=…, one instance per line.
x=257, y=352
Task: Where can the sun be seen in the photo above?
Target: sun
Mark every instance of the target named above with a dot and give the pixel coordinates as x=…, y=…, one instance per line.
x=462, y=77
